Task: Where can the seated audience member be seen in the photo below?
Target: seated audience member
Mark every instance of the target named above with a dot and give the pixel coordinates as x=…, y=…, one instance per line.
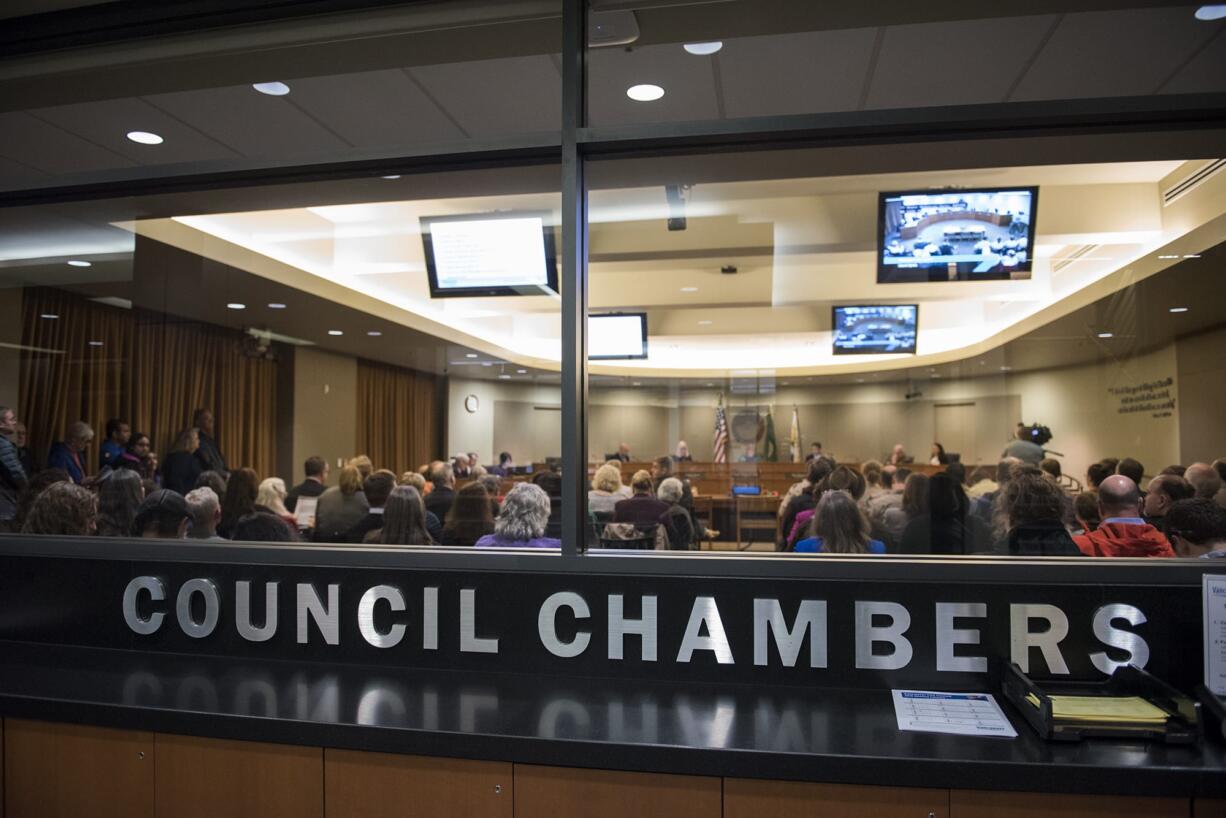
x=551, y=484
x=138, y=456
x=1204, y=479
x=505, y=467
x=606, y=490
x=460, y=466
x=493, y=488
x=815, y=451
x=641, y=509
x=212, y=480
x=118, y=432
x=898, y=456
x=1176, y=470
x=1197, y=528
x=1023, y=448
x=119, y=496
x=316, y=470
x=804, y=499
x=945, y=528
x=270, y=499
x=989, y=507
x=470, y=517
x=914, y=503
x=871, y=471
x=241, y=491
x=24, y=455
x=414, y=479
x=937, y=456
x=682, y=453
x=35, y=486
x=1163, y=491
x=340, y=507
x=182, y=468
x=804, y=485
x=1098, y=472
x=205, y=509
x=662, y=469
x=1051, y=469
x=364, y=465
x=525, y=513
x=62, y=509
x=1122, y=532
x=678, y=524
x=376, y=488
x=439, y=501
x=209, y=453
x=162, y=515
x=1033, y=514
x=839, y=527
x=1085, y=511
x=404, y=520
x=1132, y=469
x=843, y=478
x=13, y=476
x=957, y=473
x=69, y=454
x=260, y=526
x=980, y=483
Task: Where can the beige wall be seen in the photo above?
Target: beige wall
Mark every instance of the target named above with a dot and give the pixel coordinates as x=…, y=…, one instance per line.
x=507, y=419
x=325, y=409
x=1202, y=396
x=10, y=339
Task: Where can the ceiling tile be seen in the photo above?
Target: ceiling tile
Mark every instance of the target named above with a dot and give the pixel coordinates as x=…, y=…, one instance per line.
x=687, y=80
x=375, y=109
x=1206, y=73
x=1113, y=53
x=497, y=97
x=807, y=72
x=49, y=148
x=962, y=62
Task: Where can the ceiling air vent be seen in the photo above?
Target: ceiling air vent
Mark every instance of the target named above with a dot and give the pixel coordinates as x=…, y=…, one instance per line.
x=1191, y=182
x=1073, y=257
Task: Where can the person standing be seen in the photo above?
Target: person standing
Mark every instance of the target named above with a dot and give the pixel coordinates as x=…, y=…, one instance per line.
x=209, y=453
x=118, y=433
x=316, y=469
x=69, y=454
x=1023, y=448
x=13, y=477
x=182, y=468
x=20, y=438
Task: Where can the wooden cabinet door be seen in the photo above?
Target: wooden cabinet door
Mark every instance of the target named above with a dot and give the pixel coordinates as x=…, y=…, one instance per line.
x=69, y=771
x=205, y=778
x=752, y=798
x=1209, y=808
x=552, y=792
x=380, y=785
x=983, y=804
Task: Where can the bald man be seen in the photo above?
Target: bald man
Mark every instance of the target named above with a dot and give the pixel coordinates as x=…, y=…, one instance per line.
x=1122, y=532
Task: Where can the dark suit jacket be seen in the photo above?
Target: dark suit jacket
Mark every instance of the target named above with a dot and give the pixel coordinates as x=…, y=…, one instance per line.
x=210, y=456
x=641, y=509
x=364, y=526
x=307, y=488
x=438, y=502
x=179, y=472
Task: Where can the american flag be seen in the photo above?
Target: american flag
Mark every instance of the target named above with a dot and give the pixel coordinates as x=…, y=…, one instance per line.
x=719, y=444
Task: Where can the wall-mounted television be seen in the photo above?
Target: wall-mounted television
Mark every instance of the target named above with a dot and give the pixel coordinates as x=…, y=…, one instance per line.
x=874, y=329
x=956, y=235
x=490, y=254
x=617, y=336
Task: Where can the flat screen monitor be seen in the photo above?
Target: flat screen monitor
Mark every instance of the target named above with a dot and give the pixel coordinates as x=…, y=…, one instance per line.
x=956, y=235
x=875, y=329
x=617, y=336
x=490, y=254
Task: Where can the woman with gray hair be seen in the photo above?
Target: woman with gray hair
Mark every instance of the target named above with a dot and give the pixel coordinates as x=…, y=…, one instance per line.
x=69, y=454
x=676, y=521
x=521, y=523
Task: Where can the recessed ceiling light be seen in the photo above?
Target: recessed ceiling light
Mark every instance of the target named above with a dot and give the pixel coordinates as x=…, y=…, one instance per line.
x=78, y=263
x=504, y=377
x=470, y=355
x=859, y=380
x=487, y=363
x=392, y=176
x=276, y=305
x=705, y=323
x=374, y=333
x=710, y=384
x=689, y=289
x=1106, y=335
x=644, y=93
x=521, y=372
x=1168, y=256
x=1192, y=255
x=703, y=49
x=234, y=305
x=95, y=343
x=273, y=89
x=1178, y=309
x=50, y=316
x=145, y=138
x=637, y=383
x=336, y=332
x=1213, y=12
x=1005, y=368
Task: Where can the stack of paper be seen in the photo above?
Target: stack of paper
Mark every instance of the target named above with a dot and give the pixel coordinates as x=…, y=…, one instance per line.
x=1124, y=710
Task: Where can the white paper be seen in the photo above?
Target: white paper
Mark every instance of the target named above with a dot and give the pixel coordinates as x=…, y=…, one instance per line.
x=966, y=714
x=304, y=512
x=1214, y=594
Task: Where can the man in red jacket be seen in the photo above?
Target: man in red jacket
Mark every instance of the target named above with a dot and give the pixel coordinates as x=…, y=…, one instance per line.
x=1122, y=533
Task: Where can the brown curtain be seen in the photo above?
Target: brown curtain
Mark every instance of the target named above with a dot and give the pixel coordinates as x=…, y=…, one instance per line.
x=397, y=416
x=153, y=370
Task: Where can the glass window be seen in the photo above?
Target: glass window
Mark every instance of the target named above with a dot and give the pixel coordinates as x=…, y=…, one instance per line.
x=951, y=348
x=715, y=61
x=322, y=356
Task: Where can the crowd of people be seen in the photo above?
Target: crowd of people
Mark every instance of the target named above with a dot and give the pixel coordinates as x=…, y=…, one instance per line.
x=1021, y=507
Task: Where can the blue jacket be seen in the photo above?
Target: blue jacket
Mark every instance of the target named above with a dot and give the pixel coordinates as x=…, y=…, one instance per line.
x=61, y=457
x=109, y=454
x=814, y=545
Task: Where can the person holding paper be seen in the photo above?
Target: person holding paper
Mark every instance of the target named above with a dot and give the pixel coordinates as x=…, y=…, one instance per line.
x=316, y=469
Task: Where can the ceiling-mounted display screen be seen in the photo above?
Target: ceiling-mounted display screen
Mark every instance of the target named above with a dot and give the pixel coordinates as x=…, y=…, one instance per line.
x=874, y=329
x=959, y=235
x=490, y=254
x=619, y=336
